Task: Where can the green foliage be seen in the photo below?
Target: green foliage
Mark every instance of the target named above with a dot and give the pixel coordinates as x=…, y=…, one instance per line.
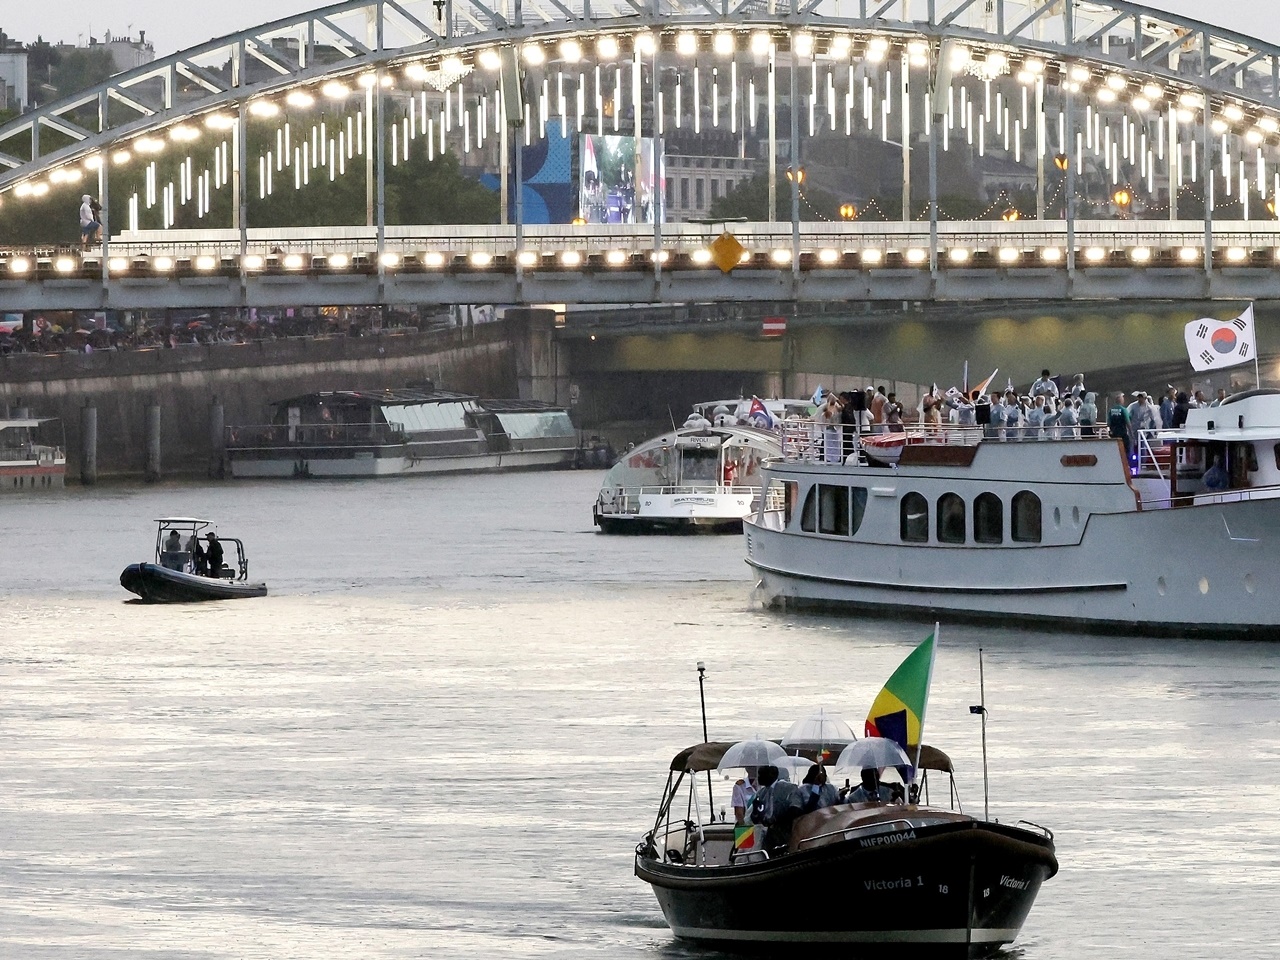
x=750, y=200
x=81, y=68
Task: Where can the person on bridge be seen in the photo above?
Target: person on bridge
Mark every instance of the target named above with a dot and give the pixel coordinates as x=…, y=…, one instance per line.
x=88, y=225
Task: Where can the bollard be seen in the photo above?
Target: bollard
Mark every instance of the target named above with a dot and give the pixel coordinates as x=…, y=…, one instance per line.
x=88, y=445
x=217, y=440
x=152, y=473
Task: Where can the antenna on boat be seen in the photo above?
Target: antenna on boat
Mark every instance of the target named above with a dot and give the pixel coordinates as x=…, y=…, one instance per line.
x=702, y=696
x=981, y=710
x=673, y=426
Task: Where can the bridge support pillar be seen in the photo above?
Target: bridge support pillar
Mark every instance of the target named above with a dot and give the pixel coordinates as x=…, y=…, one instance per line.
x=88, y=444
x=152, y=472
x=217, y=439
x=541, y=367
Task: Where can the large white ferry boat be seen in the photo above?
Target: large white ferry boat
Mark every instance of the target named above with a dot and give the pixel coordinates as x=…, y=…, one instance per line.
x=358, y=433
x=1062, y=531
x=703, y=475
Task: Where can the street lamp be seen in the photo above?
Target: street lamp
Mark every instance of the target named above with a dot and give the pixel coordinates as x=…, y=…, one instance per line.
x=1010, y=215
x=1122, y=198
x=1062, y=162
x=848, y=211
x=795, y=175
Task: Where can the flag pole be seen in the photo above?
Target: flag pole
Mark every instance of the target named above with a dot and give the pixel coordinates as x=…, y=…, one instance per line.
x=933, y=656
x=982, y=706
x=702, y=696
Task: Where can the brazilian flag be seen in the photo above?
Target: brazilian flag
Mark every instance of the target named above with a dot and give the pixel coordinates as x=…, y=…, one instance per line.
x=898, y=712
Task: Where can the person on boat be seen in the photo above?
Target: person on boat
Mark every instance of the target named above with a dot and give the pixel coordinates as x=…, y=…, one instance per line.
x=1012, y=416
x=1118, y=422
x=828, y=420
x=1088, y=414
x=173, y=542
x=213, y=554
x=893, y=414
x=871, y=790
x=199, y=566
x=1142, y=416
x=1216, y=478
x=815, y=790
x=1180, y=410
x=1220, y=398
x=1052, y=415
x=1076, y=390
x=1200, y=400
x=1068, y=418
x=1035, y=419
x=743, y=791
x=1044, y=387
x=775, y=805
x=878, y=401
x=1167, y=403
x=995, y=426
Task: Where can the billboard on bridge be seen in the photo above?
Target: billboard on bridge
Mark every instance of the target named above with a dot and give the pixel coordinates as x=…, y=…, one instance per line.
x=608, y=180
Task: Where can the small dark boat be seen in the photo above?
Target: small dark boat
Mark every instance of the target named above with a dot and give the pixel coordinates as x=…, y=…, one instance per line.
x=182, y=571
x=880, y=877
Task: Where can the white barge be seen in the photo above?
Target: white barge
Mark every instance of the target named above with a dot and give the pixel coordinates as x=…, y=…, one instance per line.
x=1059, y=531
x=353, y=433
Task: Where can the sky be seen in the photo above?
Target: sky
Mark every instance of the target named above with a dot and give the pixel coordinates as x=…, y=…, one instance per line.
x=174, y=26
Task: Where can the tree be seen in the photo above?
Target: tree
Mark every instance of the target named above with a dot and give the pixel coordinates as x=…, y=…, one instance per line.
x=750, y=200
x=82, y=68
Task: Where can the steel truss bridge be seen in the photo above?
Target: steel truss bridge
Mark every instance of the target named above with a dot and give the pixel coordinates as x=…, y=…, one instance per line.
x=1119, y=121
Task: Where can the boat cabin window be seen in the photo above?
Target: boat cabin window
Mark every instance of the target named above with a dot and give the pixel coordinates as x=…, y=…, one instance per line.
x=950, y=518
x=988, y=519
x=700, y=466
x=835, y=511
x=914, y=518
x=809, y=512
x=859, y=509
x=1024, y=518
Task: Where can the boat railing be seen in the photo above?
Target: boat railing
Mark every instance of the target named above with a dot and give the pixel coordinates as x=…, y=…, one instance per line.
x=313, y=434
x=812, y=441
x=1036, y=828
x=1202, y=498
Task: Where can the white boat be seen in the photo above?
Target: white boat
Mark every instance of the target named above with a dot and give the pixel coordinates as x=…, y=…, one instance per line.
x=704, y=475
x=353, y=433
x=1062, y=531
x=31, y=458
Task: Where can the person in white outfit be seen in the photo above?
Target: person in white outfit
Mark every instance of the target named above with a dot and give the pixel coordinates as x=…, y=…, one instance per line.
x=88, y=223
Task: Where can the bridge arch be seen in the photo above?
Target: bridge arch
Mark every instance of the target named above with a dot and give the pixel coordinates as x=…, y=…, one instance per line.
x=1097, y=109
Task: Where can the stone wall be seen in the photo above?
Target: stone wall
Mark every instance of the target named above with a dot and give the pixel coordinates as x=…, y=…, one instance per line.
x=244, y=379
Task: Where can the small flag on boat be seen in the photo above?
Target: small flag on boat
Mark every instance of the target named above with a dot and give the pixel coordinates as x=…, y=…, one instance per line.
x=744, y=838
x=982, y=387
x=898, y=712
x=759, y=414
x=1212, y=344
x=774, y=326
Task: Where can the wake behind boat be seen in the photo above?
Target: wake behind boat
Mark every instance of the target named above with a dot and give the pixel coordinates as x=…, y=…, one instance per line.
x=186, y=571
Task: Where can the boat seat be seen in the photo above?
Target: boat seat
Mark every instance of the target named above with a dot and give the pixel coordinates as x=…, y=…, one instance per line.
x=174, y=559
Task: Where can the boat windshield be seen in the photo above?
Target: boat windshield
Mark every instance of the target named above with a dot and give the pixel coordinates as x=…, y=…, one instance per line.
x=175, y=540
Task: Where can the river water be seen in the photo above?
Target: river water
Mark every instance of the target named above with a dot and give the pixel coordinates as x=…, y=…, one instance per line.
x=444, y=731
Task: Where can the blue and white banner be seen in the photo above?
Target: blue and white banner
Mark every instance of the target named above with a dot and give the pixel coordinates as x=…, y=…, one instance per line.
x=1212, y=344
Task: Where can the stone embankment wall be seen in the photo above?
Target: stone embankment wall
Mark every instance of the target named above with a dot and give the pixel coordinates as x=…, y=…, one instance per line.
x=190, y=382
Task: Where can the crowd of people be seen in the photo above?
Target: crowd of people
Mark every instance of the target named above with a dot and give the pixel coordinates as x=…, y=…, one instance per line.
x=767, y=798
x=1045, y=412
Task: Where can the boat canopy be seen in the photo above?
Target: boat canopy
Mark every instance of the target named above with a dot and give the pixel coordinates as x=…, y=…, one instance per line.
x=706, y=756
x=184, y=521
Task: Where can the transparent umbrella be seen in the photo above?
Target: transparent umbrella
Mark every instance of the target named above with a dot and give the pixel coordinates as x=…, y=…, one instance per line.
x=872, y=752
x=818, y=731
x=751, y=753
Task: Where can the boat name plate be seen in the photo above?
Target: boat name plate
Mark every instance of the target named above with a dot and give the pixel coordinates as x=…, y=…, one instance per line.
x=1079, y=460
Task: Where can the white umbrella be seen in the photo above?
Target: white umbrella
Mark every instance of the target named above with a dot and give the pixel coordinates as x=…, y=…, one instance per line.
x=871, y=752
x=751, y=753
x=818, y=731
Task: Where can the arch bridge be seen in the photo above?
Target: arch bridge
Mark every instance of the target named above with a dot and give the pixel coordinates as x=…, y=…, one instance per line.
x=1121, y=151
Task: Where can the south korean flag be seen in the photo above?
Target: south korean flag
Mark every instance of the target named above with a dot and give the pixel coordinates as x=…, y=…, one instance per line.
x=1212, y=344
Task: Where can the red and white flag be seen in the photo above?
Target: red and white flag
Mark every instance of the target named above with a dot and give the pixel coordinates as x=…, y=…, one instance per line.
x=774, y=326
x=1212, y=344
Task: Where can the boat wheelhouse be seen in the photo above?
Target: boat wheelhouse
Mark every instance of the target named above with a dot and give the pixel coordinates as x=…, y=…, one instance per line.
x=884, y=877
x=355, y=433
x=32, y=455
x=704, y=475
x=1061, y=530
